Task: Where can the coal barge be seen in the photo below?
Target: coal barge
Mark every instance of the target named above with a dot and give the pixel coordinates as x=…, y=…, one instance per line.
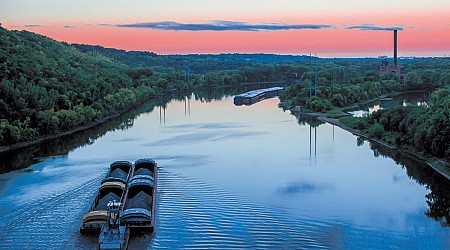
x=124, y=201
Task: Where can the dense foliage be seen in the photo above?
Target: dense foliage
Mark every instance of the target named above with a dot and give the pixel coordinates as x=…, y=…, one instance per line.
x=47, y=87
x=418, y=128
x=426, y=129
x=341, y=83
x=205, y=70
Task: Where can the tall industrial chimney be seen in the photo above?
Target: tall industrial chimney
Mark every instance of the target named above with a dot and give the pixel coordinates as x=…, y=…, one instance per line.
x=395, y=47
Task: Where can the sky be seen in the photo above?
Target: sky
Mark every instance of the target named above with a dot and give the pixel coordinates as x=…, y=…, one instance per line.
x=330, y=28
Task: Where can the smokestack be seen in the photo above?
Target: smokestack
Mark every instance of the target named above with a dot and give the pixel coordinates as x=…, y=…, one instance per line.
x=395, y=47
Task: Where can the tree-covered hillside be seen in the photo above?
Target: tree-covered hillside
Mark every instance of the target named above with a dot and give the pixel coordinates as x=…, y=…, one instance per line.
x=47, y=87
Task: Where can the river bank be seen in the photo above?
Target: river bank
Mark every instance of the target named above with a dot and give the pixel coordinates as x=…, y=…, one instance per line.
x=437, y=164
x=381, y=97
x=220, y=189
x=42, y=139
x=4, y=149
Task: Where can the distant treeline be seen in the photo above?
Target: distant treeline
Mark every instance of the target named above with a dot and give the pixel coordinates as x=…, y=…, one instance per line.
x=198, y=63
x=47, y=87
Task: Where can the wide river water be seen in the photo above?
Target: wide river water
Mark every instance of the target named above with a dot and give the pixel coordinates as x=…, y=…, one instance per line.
x=229, y=177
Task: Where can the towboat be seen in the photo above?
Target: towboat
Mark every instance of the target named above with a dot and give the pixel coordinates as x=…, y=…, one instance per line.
x=113, y=235
x=139, y=205
x=113, y=188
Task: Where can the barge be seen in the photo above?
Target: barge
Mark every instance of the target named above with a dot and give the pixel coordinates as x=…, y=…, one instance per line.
x=139, y=206
x=254, y=96
x=113, y=188
x=125, y=200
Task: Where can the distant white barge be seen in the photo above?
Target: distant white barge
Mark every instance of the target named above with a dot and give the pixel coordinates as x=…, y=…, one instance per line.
x=254, y=96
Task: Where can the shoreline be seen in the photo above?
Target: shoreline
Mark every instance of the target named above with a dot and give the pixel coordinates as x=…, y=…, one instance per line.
x=42, y=139
x=4, y=149
x=336, y=122
x=437, y=165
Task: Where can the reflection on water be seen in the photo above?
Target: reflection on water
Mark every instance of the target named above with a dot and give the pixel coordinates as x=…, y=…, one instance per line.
x=230, y=177
x=313, y=123
x=438, y=199
x=418, y=98
x=24, y=157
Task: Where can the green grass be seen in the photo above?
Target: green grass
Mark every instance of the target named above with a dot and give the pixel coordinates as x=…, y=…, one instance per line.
x=335, y=111
x=353, y=122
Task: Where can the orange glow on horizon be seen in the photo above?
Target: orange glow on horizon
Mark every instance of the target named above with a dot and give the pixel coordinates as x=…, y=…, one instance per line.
x=338, y=42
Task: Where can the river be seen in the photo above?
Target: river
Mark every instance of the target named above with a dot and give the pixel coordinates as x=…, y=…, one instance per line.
x=229, y=177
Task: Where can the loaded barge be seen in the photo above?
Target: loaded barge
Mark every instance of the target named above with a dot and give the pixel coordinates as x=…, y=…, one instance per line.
x=139, y=207
x=254, y=96
x=112, y=188
x=124, y=201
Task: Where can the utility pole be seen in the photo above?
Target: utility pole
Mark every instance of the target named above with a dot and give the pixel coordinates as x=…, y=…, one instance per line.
x=310, y=76
x=315, y=74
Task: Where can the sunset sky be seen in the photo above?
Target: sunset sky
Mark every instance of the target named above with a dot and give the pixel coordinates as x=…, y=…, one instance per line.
x=347, y=28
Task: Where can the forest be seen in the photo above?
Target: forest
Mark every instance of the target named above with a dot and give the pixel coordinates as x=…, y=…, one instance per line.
x=198, y=63
x=48, y=87
x=342, y=83
x=422, y=129
x=419, y=129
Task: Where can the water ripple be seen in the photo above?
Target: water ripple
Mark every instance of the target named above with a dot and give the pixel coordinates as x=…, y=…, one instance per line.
x=51, y=222
x=199, y=137
x=193, y=215
x=190, y=214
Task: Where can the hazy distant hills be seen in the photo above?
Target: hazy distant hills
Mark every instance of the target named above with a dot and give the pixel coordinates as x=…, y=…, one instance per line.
x=197, y=62
x=201, y=63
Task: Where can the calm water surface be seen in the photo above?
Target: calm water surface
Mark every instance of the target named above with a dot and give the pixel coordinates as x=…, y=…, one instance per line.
x=230, y=176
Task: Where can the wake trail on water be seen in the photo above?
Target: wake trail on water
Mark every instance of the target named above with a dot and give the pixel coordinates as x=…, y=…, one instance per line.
x=190, y=214
x=194, y=215
x=50, y=222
